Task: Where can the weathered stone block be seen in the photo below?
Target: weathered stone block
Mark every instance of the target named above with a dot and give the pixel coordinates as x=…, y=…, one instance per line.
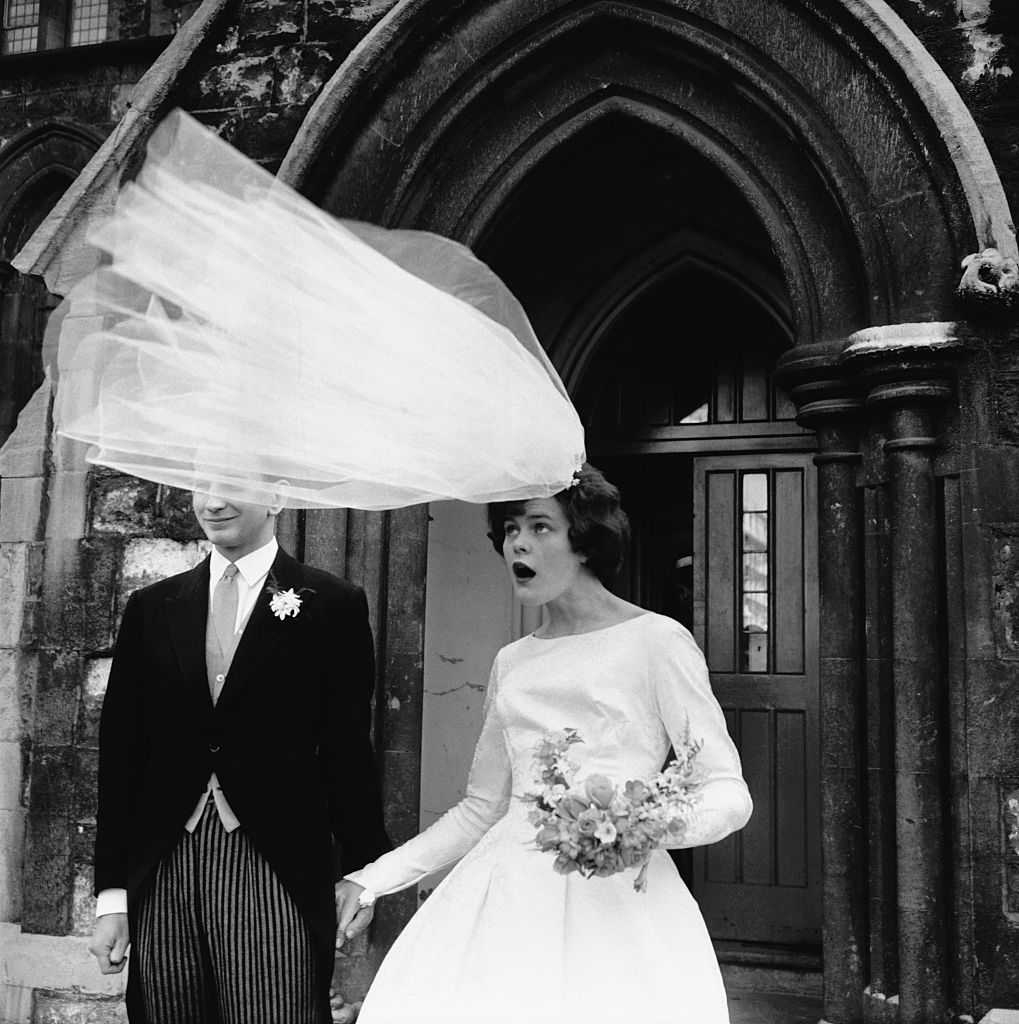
x=242, y=81
x=1010, y=847
x=86, y=774
x=126, y=505
x=121, y=505
x=1005, y=396
x=57, y=698
x=993, y=718
x=264, y=135
x=344, y=22
x=23, y=452
x=79, y=596
x=166, y=18
x=90, y=104
x=10, y=776
x=68, y=493
x=12, y=844
x=1006, y=593
x=37, y=967
x=83, y=904
x=995, y=483
x=97, y=674
x=13, y=586
x=302, y=71
x=129, y=18
x=265, y=23
x=21, y=507
x=18, y=674
x=47, y=901
x=77, y=1008
x=155, y=558
x=52, y=783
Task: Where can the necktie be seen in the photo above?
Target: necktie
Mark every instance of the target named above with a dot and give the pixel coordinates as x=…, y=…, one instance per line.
x=224, y=609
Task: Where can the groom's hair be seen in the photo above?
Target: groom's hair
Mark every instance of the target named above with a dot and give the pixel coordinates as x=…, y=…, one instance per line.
x=599, y=528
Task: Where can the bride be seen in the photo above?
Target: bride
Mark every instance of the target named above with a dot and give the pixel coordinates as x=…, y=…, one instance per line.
x=505, y=938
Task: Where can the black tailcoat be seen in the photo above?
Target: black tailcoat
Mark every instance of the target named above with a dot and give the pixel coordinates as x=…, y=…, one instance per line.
x=289, y=740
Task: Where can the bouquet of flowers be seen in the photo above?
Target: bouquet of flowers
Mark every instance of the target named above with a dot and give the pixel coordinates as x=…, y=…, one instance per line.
x=598, y=829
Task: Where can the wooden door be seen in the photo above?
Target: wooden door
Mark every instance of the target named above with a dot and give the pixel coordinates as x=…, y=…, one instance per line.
x=755, y=616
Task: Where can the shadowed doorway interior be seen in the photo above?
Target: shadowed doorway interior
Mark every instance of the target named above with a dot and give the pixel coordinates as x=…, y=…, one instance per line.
x=650, y=281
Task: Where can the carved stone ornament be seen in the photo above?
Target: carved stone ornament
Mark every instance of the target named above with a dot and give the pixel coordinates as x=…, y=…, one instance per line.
x=989, y=289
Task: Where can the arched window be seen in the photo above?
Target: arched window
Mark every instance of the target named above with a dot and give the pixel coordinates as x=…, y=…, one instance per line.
x=25, y=304
x=35, y=170
x=31, y=25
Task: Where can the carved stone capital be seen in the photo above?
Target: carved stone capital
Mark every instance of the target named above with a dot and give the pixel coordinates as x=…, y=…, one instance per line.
x=817, y=382
x=827, y=399
x=989, y=289
x=907, y=369
x=903, y=361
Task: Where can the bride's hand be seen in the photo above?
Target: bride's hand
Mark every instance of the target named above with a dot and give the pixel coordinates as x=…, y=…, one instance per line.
x=351, y=917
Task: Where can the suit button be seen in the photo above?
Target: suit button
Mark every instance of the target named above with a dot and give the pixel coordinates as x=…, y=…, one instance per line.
x=213, y=748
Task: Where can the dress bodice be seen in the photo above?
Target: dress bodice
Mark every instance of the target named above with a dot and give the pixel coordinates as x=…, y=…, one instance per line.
x=630, y=690
x=599, y=683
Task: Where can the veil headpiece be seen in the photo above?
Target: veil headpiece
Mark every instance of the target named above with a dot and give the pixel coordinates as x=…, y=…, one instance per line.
x=238, y=336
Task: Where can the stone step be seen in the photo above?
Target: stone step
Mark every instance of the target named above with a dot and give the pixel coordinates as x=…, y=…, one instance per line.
x=50, y=1007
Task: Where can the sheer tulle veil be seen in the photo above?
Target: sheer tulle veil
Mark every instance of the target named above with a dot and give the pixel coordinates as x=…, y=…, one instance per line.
x=237, y=336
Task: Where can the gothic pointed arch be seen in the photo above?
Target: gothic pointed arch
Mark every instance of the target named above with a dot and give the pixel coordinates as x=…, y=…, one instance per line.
x=829, y=121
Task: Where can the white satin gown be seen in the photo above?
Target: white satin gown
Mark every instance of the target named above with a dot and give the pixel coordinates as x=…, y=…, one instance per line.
x=504, y=938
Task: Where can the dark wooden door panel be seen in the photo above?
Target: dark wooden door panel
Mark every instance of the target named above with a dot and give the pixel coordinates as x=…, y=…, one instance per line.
x=755, y=614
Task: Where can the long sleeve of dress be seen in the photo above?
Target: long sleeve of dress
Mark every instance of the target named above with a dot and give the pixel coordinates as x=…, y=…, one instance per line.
x=460, y=828
x=682, y=692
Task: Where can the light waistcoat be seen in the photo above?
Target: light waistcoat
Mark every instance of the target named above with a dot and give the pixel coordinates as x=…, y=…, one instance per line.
x=218, y=659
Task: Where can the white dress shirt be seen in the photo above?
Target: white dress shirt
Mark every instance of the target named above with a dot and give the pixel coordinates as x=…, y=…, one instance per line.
x=252, y=573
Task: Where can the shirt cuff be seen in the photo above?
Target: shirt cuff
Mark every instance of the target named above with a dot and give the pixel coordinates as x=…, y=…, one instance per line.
x=111, y=901
x=367, y=897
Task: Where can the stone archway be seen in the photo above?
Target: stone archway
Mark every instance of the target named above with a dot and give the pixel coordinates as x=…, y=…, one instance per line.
x=862, y=168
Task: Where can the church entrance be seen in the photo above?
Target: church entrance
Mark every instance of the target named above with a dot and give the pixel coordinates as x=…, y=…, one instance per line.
x=719, y=483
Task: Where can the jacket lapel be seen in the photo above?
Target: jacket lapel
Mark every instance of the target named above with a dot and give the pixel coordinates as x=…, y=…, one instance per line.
x=187, y=614
x=263, y=629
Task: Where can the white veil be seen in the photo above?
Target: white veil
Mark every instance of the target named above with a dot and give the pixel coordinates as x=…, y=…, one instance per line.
x=240, y=336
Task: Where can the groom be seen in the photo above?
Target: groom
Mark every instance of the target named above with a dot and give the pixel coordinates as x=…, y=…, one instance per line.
x=234, y=750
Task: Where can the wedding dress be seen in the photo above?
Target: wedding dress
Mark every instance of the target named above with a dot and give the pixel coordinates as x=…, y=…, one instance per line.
x=504, y=938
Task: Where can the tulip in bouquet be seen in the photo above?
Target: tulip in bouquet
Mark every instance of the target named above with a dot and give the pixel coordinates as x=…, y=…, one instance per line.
x=599, y=829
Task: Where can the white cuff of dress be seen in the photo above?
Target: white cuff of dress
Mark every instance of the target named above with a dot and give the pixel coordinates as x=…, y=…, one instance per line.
x=111, y=901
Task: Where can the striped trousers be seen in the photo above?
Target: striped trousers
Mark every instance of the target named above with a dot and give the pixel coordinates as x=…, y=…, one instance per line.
x=219, y=941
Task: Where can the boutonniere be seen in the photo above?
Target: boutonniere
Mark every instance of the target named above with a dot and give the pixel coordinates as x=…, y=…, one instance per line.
x=285, y=602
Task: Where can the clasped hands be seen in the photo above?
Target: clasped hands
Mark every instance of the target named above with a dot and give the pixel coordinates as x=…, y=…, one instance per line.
x=110, y=938
x=351, y=917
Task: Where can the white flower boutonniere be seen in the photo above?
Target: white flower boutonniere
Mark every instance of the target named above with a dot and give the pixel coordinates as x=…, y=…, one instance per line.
x=285, y=602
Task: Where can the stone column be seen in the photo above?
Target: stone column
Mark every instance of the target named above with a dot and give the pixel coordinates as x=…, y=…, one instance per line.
x=905, y=369
x=826, y=403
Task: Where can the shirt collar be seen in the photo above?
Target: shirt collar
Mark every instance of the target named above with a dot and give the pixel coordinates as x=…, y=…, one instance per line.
x=252, y=567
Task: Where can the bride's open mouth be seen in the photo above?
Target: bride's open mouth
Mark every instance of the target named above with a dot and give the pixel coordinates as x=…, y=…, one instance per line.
x=522, y=571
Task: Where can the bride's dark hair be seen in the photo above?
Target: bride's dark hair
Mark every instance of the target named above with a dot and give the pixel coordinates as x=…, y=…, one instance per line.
x=599, y=528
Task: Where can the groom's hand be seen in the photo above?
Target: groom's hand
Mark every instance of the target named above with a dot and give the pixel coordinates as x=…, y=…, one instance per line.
x=351, y=918
x=109, y=943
